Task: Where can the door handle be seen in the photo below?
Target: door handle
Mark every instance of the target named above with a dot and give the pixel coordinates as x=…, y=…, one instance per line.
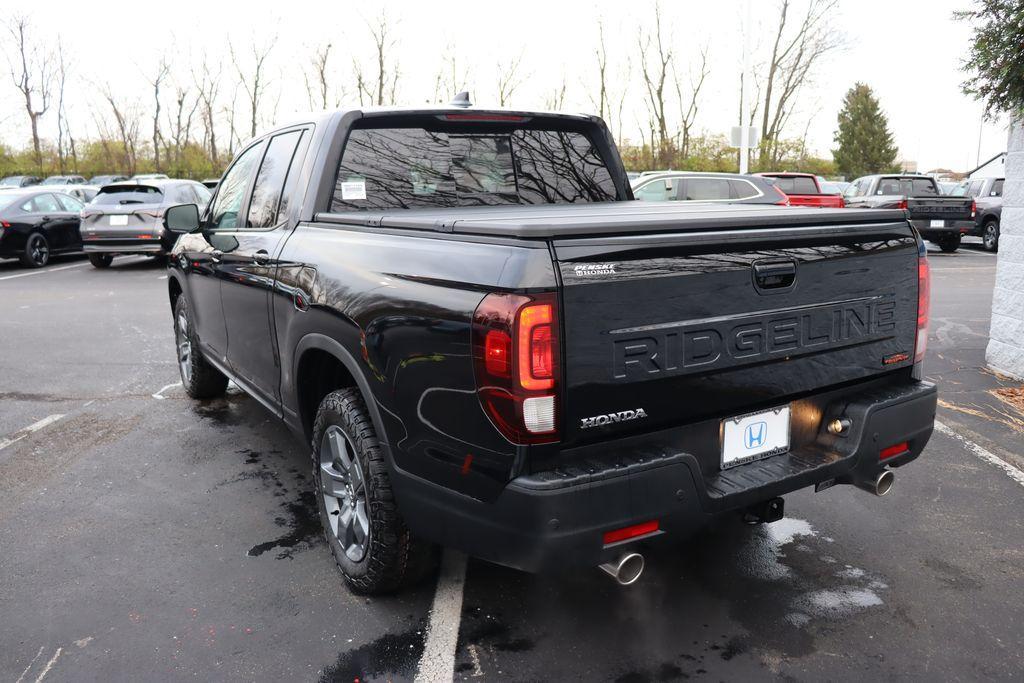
x=774, y=275
x=261, y=257
x=216, y=255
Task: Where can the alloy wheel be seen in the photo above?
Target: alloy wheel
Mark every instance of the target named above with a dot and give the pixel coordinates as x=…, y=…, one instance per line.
x=38, y=251
x=991, y=236
x=184, y=348
x=343, y=487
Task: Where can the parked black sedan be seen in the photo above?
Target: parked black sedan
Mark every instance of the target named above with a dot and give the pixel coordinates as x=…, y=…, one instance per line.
x=36, y=223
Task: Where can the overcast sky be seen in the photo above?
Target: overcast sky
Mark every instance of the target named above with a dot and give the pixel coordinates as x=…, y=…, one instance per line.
x=908, y=51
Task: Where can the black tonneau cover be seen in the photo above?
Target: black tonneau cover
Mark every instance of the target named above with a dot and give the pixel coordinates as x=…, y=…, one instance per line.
x=609, y=218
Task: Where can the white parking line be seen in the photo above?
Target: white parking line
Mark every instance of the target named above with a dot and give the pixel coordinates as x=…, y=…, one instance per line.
x=23, y=673
x=983, y=453
x=34, y=427
x=438, y=660
x=160, y=394
x=43, y=272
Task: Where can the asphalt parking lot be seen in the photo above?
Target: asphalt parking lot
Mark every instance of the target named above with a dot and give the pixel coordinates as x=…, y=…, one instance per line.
x=146, y=536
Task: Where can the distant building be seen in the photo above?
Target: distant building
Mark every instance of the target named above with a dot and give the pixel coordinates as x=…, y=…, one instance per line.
x=993, y=168
x=907, y=166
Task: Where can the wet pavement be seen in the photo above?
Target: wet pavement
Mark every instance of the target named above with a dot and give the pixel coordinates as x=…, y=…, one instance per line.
x=145, y=536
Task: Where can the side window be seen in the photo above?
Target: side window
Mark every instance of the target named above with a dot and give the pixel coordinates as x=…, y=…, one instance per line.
x=704, y=189
x=656, y=191
x=46, y=203
x=974, y=189
x=853, y=190
x=888, y=186
x=266, y=193
x=232, y=190
x=70, y=203
x=997, y=189
x=179, y=195
x=742, y=189
x=202, y=193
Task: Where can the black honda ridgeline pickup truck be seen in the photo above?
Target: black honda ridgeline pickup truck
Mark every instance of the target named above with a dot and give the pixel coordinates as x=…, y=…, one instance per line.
x=488, y=346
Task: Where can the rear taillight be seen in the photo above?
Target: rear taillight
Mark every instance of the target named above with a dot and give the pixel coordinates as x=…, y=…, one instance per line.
x=923, y=307
x=901, y=204
x=842, y=202
x=516, y=357
x=974, y=208
x=4, y=224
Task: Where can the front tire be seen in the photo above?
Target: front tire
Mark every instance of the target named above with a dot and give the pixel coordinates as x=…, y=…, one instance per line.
x=371, y=544
x=198, y=377
x=990, y=235
x=37, y=251
x=101, y=260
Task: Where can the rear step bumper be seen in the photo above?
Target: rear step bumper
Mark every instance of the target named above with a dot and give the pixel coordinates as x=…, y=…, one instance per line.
x=556, y=520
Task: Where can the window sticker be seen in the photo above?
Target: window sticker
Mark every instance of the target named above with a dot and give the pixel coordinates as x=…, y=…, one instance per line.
x=353, y=189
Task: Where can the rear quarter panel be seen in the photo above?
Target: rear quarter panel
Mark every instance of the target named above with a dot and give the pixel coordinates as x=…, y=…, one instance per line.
x=401, y=304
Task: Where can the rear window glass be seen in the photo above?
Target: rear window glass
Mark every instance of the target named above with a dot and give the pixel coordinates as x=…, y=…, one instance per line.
x=112, y=196
x=911, y=187
x=416, y=168
x=997, y=189
x=795, y=185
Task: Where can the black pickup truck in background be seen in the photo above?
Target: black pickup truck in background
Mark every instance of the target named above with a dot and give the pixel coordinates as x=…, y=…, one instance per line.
x=987, y=194
x=936, y=217
x=485, y=345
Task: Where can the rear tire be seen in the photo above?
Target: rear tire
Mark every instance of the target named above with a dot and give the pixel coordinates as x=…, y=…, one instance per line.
x=199, y=378
x=371, y=544
x=990, y=235
x=101, y=260
x=37, y=251
x=949, y=244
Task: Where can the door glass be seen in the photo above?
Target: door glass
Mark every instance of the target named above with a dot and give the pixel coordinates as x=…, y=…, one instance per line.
x=266, y=194
x=742, y=189
x=997, y=189
x=703, y=189
x=655, y=191
x=46, y=203
x=70, y=203
x=232, y=189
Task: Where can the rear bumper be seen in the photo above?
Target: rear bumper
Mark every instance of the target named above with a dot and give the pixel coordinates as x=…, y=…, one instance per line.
x=947, y=229
x=124, y=246
x=556, y=520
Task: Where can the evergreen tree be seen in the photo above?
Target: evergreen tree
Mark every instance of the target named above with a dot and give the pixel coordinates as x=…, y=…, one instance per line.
x=995, y=63
x=865, y=144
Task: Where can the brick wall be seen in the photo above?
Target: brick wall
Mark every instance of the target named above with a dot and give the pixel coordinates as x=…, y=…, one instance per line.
x=1005, y=351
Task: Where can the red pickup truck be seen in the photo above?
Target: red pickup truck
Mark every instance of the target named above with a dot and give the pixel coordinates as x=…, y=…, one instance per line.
x=803, y=190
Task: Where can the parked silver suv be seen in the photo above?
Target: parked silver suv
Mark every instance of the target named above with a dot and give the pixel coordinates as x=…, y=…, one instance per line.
x=127, y=218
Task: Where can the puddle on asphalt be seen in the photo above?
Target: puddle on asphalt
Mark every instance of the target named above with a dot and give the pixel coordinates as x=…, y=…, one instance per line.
x=385, y=658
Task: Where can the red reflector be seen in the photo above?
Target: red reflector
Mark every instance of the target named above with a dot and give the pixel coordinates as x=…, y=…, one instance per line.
x=901, y=204
x=497, y=349
x=924, y=298
x=541, y=352
x=630, y=532
x=891, y=451
x=483, y=117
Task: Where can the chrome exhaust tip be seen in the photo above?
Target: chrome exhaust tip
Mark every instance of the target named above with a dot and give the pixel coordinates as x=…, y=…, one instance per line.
x=881, y=485
x=626, y=570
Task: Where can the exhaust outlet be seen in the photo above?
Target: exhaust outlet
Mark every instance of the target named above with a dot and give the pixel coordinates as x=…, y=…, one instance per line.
x=881, y=485
x=625, y=570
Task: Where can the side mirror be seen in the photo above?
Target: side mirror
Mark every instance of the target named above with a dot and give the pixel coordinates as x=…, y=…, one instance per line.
x=182, y=218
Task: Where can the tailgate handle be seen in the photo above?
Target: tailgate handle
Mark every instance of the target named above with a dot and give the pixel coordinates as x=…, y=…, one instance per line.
x=774, y=275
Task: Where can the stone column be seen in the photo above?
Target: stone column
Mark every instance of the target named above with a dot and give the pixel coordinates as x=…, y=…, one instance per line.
x=1005, y=351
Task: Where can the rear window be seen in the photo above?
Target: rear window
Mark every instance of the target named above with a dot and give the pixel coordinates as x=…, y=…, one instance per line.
x=385, y=168
x=911, y=187
x=128, y=194
x=795, y=185
x=997, y=189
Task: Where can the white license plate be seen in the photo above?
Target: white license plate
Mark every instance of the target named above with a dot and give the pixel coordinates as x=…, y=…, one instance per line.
x=755, y=436
x=936, y=224
x=119, y=220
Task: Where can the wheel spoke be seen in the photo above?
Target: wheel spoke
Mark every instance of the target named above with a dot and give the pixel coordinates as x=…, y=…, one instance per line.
x=339, y=449
x=333, y=483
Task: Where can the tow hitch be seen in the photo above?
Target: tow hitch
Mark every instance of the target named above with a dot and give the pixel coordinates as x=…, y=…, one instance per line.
x=765, y=512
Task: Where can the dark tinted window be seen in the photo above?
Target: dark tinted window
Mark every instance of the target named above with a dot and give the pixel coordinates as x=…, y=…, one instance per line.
x=413, y=167
x=231, y=192
x=703, y=189
x=743, y=189
x=70, y=203
x=997, y=189
x=796, y=185
x=128, y=194
x=266, y=193
x=923, y=187
x=179, y=194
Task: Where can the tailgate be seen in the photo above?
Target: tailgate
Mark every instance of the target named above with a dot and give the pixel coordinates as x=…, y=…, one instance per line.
x=940, y=208
x=663, y=330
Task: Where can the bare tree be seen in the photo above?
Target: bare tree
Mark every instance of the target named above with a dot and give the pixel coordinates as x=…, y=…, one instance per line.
x=379, y=88
x=450, y=79
x=126, y=128
x=508, y=80
x=318, y=82
x=180, y=124
x=654, y=78
x=254, y=83
x=600, y=101
x=65, y=140
x=556, y=98
x=688, y=104
x=208, y=84
x=163, y=69
x=32, y=71
x=793, y=57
